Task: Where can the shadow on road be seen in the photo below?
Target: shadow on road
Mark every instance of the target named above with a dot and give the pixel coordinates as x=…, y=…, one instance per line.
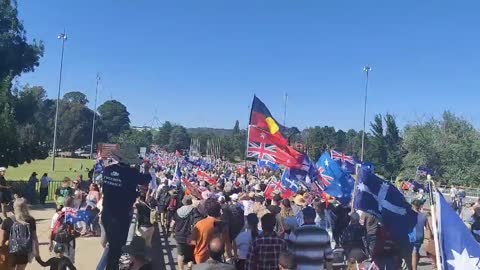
x=163, y=252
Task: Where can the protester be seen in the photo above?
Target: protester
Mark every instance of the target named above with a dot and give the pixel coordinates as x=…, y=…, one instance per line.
x=287, y=262
x=184, y=222
x=286, y=220
x=30, y=190
x=274, y=206
x=5, y=195
x=475, y=223
x=63, y=233
x=244, y=240
x=264, y=253
x=311, y=244
x=371, y=224
x=120, y=181
x=145, y=227
x=22, y=236
x=59, y=262
x=163, y=200
x=207, y=228
x=353, y=240
x=417, y=236
x=137, y=255
x=323, y=218
x=216, y=248
x=64, y=192
x=77, y=194
x=44, y=183
x=341, y=221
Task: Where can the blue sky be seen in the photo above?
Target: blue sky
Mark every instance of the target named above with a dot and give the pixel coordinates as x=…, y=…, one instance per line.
x=198, y=63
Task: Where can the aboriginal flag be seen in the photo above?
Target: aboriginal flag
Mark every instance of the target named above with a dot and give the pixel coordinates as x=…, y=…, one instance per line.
x=261, y=117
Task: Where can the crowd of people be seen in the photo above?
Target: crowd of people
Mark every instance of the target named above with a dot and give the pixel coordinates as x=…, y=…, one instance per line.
x=218, y=213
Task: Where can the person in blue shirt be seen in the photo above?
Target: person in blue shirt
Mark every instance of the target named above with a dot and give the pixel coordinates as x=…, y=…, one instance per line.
x=418, y=235
x=120, y=181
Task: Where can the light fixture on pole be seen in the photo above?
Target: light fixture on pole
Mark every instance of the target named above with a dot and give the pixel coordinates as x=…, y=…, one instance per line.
x=63, y=37
x=367, y=69
x=94, y=116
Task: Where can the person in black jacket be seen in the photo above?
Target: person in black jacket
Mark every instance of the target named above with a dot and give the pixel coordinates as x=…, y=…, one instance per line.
x=185, y=217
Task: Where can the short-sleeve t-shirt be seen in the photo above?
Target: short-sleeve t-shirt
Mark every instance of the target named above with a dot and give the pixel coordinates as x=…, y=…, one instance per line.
x=119, y=188
x=202, y=234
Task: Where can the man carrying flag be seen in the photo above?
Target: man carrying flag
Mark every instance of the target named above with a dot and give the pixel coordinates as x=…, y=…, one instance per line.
x=384, y=201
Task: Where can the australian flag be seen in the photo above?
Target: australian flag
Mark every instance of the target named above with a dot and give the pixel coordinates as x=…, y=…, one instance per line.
x=384, y=201
x=73, y=216
x=424, y=171
x=307, y=173
x=337, y=182
x=290, y=182
x=347, y=163
x=459, y=249
x=263, y=163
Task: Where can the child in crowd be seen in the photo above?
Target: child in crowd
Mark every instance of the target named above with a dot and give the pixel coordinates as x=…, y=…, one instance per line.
x=59, y=262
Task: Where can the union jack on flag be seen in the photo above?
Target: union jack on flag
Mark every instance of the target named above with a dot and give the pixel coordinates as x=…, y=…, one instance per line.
x=262, y=151
x=326, y=179
x=342, y=157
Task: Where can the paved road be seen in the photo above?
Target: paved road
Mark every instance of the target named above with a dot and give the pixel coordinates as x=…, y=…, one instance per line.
x=89, y=250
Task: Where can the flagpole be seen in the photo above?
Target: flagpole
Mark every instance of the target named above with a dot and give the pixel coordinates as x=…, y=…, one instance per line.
x=434, y=223
x=367, y=70
x=285, y=109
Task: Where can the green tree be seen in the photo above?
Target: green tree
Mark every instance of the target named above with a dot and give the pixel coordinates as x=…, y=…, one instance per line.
x=393, y=143
x=114, y=118
x=74, y=125
x=378, y=151
x=76, y=97
x=139, y=138
x=18, y=56
x=162, y=137
x=179, y=139
x=9, y=154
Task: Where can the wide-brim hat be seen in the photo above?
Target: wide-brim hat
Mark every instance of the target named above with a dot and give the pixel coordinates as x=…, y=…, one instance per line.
x=299, y=200
x=137, y=247
x=127, y=154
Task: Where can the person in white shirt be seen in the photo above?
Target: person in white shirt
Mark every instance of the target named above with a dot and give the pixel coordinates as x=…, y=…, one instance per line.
x=242, y=243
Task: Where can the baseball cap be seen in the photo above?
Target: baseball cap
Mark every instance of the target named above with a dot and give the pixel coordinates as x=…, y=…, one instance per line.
x=2, y=169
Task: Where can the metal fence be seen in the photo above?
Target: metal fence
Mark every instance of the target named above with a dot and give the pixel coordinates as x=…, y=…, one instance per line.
x=19, y=187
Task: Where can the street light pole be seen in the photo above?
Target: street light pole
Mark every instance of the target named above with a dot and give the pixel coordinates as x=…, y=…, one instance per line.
x=367, y=69
x=94, y=116
x=63, y=37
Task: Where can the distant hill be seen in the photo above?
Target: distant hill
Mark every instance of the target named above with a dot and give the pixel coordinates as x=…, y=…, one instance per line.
x=205, y=130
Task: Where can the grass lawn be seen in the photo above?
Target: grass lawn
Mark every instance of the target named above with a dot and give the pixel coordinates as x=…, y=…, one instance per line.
x=70, y=167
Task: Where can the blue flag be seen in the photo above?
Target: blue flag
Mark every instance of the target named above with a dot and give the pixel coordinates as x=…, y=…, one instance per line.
x=338, y=183
x=290, y=182
x=424, y=171
x=178, y=173
x=263, y=163
x=384, y=201
x=459, y=249
x=72, y=216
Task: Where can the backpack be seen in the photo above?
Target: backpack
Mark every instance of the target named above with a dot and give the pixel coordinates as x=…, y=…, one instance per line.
x=60, y=231
x=20, y=241
x=173, y=204
x=163, y=199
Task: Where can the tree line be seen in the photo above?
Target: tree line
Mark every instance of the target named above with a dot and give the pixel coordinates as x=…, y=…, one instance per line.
x=449, y=146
